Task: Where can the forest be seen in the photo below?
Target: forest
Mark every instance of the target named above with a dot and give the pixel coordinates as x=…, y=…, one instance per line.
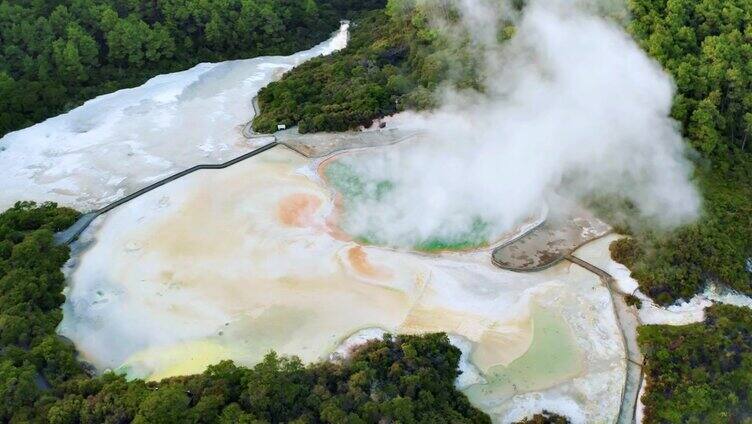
x=699, y=373
x=706, y=46
x=335, y=95
x=54, y=55
x=394, y=61
x=406, y=379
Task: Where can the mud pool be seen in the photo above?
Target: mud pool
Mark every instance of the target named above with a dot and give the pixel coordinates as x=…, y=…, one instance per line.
x=232, y=264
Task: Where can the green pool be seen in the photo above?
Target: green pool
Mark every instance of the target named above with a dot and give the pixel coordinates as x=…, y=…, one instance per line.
x=355, y=190
x=553, y=357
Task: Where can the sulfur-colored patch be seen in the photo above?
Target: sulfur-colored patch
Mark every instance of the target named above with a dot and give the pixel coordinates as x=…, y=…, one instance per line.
x=298, y=210
x=503, y=343
x=496, y=343
x=180, y=359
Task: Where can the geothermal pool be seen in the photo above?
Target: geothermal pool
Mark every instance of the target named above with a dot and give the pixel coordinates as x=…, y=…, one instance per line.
x=232, y=264
x=359, y=194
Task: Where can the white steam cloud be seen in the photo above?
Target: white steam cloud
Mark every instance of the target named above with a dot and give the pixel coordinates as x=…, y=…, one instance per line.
x=572, y=105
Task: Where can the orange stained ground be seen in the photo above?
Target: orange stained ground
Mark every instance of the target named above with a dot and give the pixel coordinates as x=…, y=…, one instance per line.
x=359, y=260
x=298, y=210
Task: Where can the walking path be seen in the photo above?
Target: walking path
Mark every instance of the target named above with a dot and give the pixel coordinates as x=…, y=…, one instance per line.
x=71, y=234
x=628, y=324
x=555, y=241
x=549, y=243
x=248, y=127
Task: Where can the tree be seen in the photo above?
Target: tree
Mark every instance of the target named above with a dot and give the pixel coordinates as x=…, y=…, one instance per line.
x=17, y=390
x=67, y=60
x=703, y=125
x=66, y=411
x=166, y=405
x=214, y=32
x=159, y=44
x=85, y=45
x=55, y=359
x=126, y=42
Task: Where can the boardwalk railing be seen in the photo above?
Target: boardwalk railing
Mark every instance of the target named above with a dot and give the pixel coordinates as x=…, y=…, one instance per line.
x=634, y=372
x=72, y=233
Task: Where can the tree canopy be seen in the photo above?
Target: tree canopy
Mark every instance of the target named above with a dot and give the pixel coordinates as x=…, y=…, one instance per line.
x=699, y=373
x=394, y=61
x=706, y=47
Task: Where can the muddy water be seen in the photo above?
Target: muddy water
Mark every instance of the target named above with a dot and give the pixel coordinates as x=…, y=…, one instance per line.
x=232, y=264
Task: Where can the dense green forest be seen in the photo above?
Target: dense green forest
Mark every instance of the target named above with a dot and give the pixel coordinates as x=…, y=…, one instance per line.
x=56, y=54
x=706, y=45
x=394, y=61
x=397, y=379
x=339, y=94
x=699, y=373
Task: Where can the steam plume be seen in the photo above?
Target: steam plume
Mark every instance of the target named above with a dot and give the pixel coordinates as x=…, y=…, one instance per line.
x=572, y=104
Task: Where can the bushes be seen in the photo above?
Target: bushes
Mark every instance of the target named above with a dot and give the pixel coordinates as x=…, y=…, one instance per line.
x=699, y=373
x=545, y=418
x=632, y=300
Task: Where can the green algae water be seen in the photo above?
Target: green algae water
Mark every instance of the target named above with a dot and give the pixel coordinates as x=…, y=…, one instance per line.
x=553, y=357
x=356, y=189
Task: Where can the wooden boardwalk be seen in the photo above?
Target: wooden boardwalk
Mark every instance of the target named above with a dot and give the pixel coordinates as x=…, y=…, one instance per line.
x=628, y=324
